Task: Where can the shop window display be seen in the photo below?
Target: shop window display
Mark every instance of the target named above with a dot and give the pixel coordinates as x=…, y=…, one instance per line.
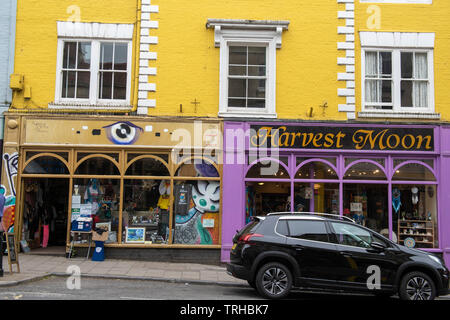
x=267, y=196
x=146, y=205
x=414, y=215
x=367, y=204
x=99, y=198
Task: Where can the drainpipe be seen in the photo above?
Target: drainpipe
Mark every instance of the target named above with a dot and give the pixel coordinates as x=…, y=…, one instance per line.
x=137, y=56
x=1, y=253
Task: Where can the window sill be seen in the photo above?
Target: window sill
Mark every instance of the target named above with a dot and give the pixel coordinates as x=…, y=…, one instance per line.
x=240, y=114
x=399, y=115
x=87, y=106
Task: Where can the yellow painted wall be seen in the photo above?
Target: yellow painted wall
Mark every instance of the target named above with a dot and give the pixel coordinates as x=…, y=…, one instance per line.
x=36, y=39
x=188, y=62
x=412, y=18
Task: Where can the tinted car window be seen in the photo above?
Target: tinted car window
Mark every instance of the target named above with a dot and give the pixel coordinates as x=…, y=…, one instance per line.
x=282, y=227
x=308, y=230
x=351, y=235
x=250, y=226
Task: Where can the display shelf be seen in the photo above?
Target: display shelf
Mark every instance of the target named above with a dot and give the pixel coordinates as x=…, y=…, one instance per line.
x=422, y=231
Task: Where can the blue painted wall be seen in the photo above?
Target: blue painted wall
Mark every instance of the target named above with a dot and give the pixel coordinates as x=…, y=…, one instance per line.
x=7, y=39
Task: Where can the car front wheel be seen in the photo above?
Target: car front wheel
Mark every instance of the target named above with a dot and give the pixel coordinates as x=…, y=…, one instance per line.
x=274, y=280
x=417, y=286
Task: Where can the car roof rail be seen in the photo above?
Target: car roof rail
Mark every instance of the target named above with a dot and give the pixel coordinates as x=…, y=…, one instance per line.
x=333, y=216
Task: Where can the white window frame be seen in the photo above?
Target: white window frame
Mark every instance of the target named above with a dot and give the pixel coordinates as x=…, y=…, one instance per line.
x=397, y=43
x=248, y=33
x=95, y=33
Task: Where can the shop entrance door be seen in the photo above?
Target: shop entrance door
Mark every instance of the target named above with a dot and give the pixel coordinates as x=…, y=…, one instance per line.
x=45, y=214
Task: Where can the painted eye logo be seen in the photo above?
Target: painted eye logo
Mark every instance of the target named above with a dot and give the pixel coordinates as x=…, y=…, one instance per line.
x=123, y=132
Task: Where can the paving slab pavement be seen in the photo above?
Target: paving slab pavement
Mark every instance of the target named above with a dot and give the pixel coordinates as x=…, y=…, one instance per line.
x=36, y=267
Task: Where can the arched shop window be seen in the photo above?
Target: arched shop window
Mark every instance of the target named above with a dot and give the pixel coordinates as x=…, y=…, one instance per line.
x=316, y=170
x=96, y=195
x=414, y=205
x=413, y=171
x=366, y=201
x=365, y=170
x=267, y=168
x=46, y=165
x=97, y=165
x=146, y=197
x=147, y=166
x=196, y=203
x=316, y=194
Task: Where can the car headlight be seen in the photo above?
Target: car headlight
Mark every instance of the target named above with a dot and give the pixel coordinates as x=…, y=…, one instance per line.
x=436, y=259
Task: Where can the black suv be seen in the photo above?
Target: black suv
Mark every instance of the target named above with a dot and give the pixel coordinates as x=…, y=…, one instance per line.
x=309, y=250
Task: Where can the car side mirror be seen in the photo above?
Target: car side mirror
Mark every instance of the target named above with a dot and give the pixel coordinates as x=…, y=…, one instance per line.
x=378, y=246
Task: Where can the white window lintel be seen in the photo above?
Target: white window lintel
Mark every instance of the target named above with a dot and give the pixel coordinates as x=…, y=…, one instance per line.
x=94, y=30
x=268, y=29
x=422, y=40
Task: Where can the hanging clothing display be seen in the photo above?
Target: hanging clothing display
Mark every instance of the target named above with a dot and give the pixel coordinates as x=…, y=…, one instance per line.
x=183, y=195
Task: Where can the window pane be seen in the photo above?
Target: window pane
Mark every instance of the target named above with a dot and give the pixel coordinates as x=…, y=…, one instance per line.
x=386, y=91
x=141, y=209
x=386, y=63
x=257, y=56
x=97, y=166
x=46, y=165
x=256, y=103
x=421, y=66
x=120, y=56
x=367, y=205
x=351, y=235
x=364, y=171
x=238, y=55
x=407, y=64
x=371, y=64
x=257, y=71
x=316, y=170
x=414, y=171
x=70, y=55
x=308, y=230
x=120, y=85
x=407, y=91
x=420, y=94
x=197, y=168
x=105, y=85
x=147, y=167
x=84, y=55
x=101, y=197
x=415, y=215
x=237, y=88
x=256, y=88
x=266, y=197
x=84, y=78
x=236, y=103
x=106, y=56
x=68, y=85
x=238, y=71
x=196, y=210
x=268, y=169
x=372, y=91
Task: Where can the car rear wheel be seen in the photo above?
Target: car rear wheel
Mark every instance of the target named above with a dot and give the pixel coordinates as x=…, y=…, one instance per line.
x=274, y=280
x=417, y=286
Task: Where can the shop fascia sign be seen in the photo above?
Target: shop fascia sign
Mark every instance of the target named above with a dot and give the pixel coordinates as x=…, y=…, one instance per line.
x=345, y=138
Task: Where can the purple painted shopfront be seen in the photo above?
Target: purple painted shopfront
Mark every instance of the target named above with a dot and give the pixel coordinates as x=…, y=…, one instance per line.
x=394, y=179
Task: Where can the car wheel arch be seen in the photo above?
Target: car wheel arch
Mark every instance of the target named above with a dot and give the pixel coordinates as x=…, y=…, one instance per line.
x=420, y=267
x=275, y=256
